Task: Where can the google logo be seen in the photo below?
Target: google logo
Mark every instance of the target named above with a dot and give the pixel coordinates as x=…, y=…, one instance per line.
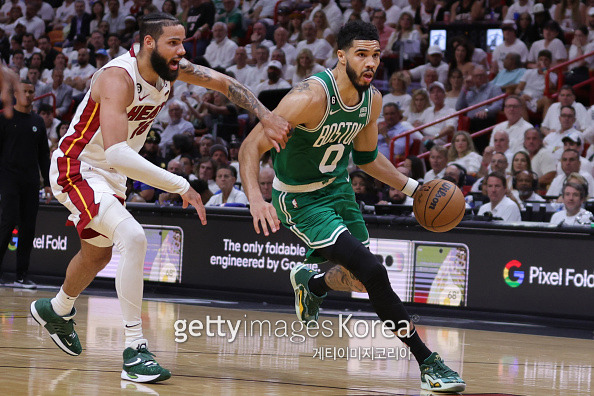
x=518, y=275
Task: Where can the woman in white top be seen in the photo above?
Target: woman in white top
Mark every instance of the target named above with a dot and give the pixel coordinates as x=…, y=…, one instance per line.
x=306, y=66
x=453, y=87
x=399, y=82
x=419, y=102
x=295, y=34
x=404, y=31
x=323, y=30
x=574, y=196
x=462, y=152
x=570, y=14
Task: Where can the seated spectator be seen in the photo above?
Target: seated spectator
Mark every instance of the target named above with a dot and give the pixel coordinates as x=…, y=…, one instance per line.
x=552, y=123
x=150, y=150
x=221, y=50
x=569, y=14
x=575, y=141
x=438, y=159
x=205, y=169
x=233, y=19
x=225, y=178
x=60, y=62
x=520, y=162
x=265, y=178
x=497, y=163
x=462, y=152
x=416, y=166
x=430, y=77
x=500, y=206
x=240, y=69
x=574, y=196
x=517, y=8
x=515, y=126
x=258, y=73
x=439, y=133
x=114, y=17
x=80, y=23
x=220, y=155
x=501, y=145
x=61, y=91
x=467, y=11
x=541, y=159
x=79, y=76
x=550, y=42
x=363, y=188
x=51, y=124
x=332, y=12
x=456, y=174
x=391, y=127
x=114, y=46
x=385, y=32
x=405, y=40
x=532, y=84
x=295, y=34
x=200, y=18
x=176, y=126
x=399, y=82
x=219, y=113
x=306, y=66
x=281, y=40
x=570, y=163
x=418, y=104
x=357, y=7
x=509, y=77
x=511, y=44
x=525, y=184
x=255, y=10
x=33, y=23
x=288, y=70
x=554, y=140
x=477, y=89
x=453, y=87
x=320, y=48
x=579, y=71
x=462, y=59
x=395, y=196
x=541, y=17
x=525, y=32
x=275, y=80
x=323, y=30
x=435, y=62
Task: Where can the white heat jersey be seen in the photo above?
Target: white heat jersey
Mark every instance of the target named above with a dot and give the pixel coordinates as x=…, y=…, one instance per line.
x=81, y=149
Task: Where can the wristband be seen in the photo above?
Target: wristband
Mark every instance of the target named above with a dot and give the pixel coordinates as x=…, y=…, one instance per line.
x=364, y=157
x=410, y=187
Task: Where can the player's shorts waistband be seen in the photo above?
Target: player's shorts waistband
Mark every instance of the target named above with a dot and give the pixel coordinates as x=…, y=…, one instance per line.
x=301, y=188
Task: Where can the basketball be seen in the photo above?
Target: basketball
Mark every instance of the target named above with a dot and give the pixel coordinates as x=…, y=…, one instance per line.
x=439, y=205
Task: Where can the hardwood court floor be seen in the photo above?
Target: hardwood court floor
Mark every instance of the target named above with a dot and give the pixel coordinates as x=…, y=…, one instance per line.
x=491, y=362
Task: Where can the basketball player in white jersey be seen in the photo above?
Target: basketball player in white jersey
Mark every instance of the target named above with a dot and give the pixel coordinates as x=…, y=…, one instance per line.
x=89, y=170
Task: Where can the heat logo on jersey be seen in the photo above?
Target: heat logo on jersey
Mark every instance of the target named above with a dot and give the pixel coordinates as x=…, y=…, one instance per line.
x=145, y=114
x=517, y=275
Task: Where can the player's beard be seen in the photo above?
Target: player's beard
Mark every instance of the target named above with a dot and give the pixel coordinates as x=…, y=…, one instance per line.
x=161, y=66
x=352, y=74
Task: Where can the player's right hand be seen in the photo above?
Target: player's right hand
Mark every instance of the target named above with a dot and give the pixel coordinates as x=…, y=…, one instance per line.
x=191, y=197
x=264, y=213
x=9, y=85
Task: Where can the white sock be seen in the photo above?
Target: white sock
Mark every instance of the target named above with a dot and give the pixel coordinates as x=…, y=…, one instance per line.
x=63, y=303
x=133, y=332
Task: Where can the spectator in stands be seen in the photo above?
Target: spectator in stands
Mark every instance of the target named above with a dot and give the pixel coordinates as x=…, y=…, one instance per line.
x=550, y=42
x=467, y=11
x=497, y=162
x=501, y=145
x=240, y=69
x=257, y=39
x=541, y=16
x=333, y=14
x=254, y=10
x=221, y=50
x=429, y=77
x=579, y=71
x=115, y=17
x=295, y=34
x=525, y=32
x=219, y=154
x=509, y=78
x=306, y=66
x=357, y=7
x=419, y=103
x=150, y=150
x=541, y=159
x=532, y=84
x=283, y=17
x=320, y=48
x=265, y=179
x=323, y=30
x=515, y=126
x=79, y=76
x=226, y=177
x=48, y=53
x=51, y=124
x=566, y=97
x=462, y=152
x=391, y=127
x=435, y=62
x=17, y=61
x=395, y=196
x=570, y=163
x=14, y=15
x=416, y=166
x=463, y=58
x=385, y=32
x=7, y=7
x=500, y=206
x=62, y=92
x=455, y=173
x=569, y=14
x=439, y=133
x=525, y=182
x=29, y=47
x=517, y=8
x=275, y=80
x=201, y=17
x=281, y=38
x=80, y=24
x=32, y=22
x=520, y=162
x=405, y=40
x=438, y=159
x=399, y=83
x=478, y=89
x=511, y=44
x=206, y=169
x=279, y=56
x=233, y=18
x=114, y=45
x=574, y=196
x=177, y=125
x=575, y=141
x=453, y=87
x=364, y=188
x=554, y=140
x=97, y=14
x=590, y=20
x=259, y=72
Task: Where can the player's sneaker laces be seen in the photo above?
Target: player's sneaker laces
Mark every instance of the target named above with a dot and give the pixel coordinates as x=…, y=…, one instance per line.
x=437, y=377
x=307, y=304
x=140, y=365
x=60, y=328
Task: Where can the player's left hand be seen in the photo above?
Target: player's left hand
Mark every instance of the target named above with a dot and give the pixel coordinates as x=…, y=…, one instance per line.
x=264, y=214
x=277, y=130
x=48, y=194
x=191, y=197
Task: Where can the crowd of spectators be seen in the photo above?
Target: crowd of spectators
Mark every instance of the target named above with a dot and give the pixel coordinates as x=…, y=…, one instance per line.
x=271, y=46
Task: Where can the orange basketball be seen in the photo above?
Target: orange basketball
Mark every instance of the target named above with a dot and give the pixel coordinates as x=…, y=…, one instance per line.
x=439, y=205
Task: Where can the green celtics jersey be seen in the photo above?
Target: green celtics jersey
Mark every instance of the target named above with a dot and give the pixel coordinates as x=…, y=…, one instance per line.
x=315, y=157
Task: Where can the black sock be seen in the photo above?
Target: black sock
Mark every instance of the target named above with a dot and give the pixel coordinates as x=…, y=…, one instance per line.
x=417, y=347
x=317, y=285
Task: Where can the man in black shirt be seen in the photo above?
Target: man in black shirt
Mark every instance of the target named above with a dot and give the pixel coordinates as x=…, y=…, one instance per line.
x=201, y=17
x=23, y=153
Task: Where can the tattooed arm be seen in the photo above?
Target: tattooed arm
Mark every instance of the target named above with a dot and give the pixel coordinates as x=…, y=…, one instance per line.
x=340, y=279
x=276, y=128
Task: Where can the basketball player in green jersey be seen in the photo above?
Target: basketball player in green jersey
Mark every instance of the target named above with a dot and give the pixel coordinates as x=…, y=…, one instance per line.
x=334, y=113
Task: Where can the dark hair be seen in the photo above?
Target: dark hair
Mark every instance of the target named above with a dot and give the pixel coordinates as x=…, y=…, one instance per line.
x=567, y=107
x=153, y=24
x=579, y=187
x=355, y=30
x=230, y=168
x=417, y=167
x=45, y=107
x=545, y=53
x=499, y=176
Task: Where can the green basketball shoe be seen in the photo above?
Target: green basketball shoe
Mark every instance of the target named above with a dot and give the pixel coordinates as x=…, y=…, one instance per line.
x=307, y=304
x=140, y=366
x=60, y=328
x=437, y=377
